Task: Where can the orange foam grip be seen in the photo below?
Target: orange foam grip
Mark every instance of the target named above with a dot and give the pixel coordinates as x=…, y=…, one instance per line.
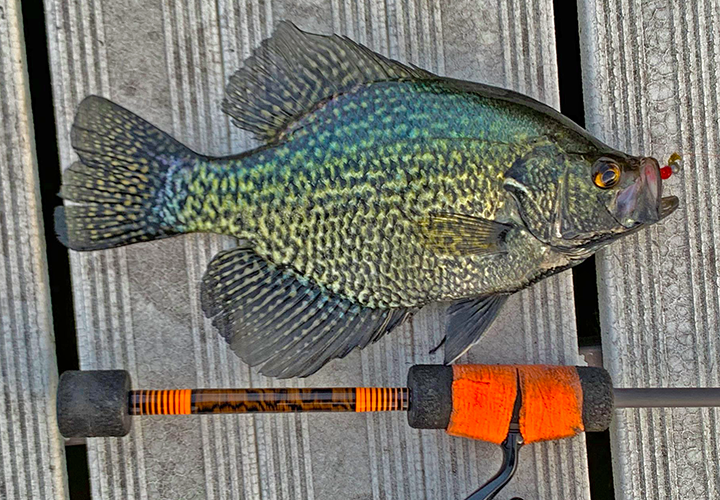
x=552, y=402
x=483, y=398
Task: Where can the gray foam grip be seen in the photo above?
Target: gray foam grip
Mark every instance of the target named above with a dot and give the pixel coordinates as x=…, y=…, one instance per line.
x=598, y=398
x=430, y=396
x=93, y=403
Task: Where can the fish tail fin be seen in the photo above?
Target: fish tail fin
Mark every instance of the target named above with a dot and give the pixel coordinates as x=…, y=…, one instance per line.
x=119, y=183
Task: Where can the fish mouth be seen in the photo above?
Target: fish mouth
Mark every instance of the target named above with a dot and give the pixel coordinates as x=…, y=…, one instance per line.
x=668, y=205
x=642, y=201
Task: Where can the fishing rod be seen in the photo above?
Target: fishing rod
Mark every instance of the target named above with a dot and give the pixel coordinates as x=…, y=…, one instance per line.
x=509, y=405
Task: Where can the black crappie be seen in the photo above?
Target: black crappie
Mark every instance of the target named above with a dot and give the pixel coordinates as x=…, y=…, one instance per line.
x=381, y=188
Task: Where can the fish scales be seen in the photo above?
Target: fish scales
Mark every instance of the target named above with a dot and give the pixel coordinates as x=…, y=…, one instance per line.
x=339, y=200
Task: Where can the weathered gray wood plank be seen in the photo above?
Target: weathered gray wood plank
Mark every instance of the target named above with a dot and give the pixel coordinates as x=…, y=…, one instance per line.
x=651, y=86
x=32, y=459
x=138, y=308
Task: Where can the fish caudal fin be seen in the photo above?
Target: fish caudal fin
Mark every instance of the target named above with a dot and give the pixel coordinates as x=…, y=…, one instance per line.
x=119, y=182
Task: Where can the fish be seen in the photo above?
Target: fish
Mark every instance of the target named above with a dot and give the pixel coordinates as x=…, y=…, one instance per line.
x=378, y=188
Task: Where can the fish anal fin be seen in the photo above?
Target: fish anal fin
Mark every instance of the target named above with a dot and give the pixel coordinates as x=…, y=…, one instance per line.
x=290, y=326
x=458, y=234
x=469, y=318
x=293, y=71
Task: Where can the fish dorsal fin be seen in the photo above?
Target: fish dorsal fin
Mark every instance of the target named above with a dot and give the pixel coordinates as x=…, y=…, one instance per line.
x=292, y=71
x=290, y=326
x=459, y=234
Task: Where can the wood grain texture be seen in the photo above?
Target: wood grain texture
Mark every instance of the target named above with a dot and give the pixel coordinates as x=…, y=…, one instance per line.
x=138, y=307
x=33, y=458
x=651, y=87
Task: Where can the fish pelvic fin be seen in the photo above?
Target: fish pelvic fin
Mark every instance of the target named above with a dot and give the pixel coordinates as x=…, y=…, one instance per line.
x=119, y=182
x=293, y=71
x=271, y=317
x=469, y=318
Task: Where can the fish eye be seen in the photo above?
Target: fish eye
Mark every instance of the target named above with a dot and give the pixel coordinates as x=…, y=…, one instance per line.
x=606, y=173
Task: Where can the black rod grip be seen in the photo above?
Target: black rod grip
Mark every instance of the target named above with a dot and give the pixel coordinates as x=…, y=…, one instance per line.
x=598, y=398
x=93, y=403
x=430, y=396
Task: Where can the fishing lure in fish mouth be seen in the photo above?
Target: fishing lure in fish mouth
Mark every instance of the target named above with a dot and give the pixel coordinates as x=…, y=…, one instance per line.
x=673, y=167
x=380, y=187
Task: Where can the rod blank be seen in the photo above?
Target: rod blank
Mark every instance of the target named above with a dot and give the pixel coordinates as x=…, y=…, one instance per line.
x=667, y=397
x=280, y=400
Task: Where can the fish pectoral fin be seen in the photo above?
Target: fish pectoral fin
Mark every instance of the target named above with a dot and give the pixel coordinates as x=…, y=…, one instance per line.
x=293, y=328
x=469, y=318
x=293, y=71
x=458, y=234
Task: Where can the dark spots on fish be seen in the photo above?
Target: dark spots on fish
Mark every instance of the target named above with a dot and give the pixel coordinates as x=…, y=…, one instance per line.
x=343, y=190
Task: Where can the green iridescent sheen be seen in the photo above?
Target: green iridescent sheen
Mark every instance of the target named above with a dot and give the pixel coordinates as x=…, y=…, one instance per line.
x=340, y=199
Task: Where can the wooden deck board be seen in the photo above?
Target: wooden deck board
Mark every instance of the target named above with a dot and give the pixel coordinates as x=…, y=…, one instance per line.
x=651, y=87
x=32, y=463
x=137, y=308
